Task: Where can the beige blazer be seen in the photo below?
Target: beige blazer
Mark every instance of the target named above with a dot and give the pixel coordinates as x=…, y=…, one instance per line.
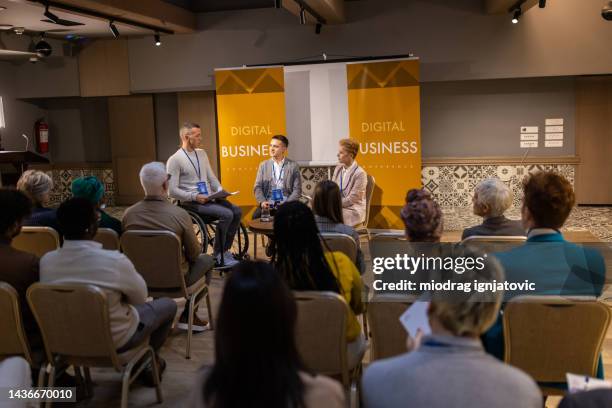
x=353, y=194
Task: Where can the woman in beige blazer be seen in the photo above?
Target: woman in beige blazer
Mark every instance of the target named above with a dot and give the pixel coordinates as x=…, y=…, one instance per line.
x=352, y=180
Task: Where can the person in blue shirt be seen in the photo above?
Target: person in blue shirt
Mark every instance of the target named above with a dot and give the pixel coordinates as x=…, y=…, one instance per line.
x=553, y=265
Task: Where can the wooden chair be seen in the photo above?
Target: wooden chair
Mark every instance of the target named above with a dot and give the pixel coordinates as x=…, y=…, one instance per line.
x=321, y=334
x=157, y=257
x=340, y=242
x=13, y=341
x=108, y=238
x=363, y=228
x=37, y=240
x=387, y=335
x=75, y=327
x=549, y=336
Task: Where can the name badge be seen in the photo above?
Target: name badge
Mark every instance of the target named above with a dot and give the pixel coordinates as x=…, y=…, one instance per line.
x=277, y=194
x=202, y=189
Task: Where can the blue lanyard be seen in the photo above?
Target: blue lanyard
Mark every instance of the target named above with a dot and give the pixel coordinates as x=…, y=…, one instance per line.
x=280, y=177
x=197, y=169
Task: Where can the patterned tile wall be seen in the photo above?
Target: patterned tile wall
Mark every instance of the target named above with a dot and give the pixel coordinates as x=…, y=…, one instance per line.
x=62, y=182
x=452, y=185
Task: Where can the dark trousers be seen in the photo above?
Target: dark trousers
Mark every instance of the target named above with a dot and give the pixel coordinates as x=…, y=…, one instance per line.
x=156, y=319
x=228, y=215
x=202, y=266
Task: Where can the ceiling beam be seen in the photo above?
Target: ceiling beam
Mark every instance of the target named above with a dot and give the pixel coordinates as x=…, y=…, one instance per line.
x=153, y=14
x=503, y=6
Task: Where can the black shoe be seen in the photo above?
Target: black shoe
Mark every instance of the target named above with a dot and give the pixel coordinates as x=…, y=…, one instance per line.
x=147, y=377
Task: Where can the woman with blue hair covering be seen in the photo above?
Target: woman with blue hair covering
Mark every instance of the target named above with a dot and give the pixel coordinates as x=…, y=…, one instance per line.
x=92, y=189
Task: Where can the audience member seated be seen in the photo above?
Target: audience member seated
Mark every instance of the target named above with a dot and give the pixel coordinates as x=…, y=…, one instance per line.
x=92, y=189
x=300, y=259
x=155, y=212
x=15, y=375
x=597, y=398
x=327, y=207
x=353, y=181
x=555, y=266
x=491, y=199
x=19, y=269
x=449, y=367
x=422, y=217
x=83, y=261
x=38, y=185
x=256, y=358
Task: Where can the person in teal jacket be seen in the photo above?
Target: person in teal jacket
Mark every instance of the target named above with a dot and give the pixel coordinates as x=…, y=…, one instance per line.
x=91, y=188
x=553, y=265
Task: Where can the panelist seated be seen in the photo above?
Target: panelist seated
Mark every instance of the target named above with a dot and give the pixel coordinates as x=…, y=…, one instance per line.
x=352, y=180
x=278, y=178
x=491, y=199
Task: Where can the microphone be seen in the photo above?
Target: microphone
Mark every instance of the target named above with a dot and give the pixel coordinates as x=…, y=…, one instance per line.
x=27, y=141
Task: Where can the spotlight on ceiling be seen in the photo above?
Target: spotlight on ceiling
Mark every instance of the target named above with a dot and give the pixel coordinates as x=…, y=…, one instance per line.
x=113, y=28
x=542, y=3
x=52, y=17
x=516, y=16
x=19, y=30
x=43, y=48
x=606, y=11
x=302, y=16
x=318, y=28
x=278, y=3
x=157, y=39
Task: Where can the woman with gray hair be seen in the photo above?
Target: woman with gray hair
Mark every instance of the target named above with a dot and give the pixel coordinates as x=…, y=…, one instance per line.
x=37, y=185
x=491, y=199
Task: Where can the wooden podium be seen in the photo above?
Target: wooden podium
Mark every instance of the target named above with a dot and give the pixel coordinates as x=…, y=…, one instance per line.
x=20, y=160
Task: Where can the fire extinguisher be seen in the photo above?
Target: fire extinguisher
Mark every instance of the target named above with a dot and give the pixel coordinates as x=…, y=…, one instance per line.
x=41, y=130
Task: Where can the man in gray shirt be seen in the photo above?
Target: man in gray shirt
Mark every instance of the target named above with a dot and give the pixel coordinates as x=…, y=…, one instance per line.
x=192, y=181
x=450, y=368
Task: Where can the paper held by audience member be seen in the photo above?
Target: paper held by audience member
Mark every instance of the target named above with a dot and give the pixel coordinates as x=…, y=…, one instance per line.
x=578, y=383
x=221, y=194
x=415, y=317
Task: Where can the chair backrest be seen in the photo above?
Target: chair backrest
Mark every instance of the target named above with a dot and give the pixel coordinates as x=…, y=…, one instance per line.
x=108, y=238
x=37, y=240
x=156, y=255
x=74, y=323
x=388, y=336
x=371, y=182
x=494, y=243
x=13, y=339
x=549, y=336
x=321, y=332
x=340, y=242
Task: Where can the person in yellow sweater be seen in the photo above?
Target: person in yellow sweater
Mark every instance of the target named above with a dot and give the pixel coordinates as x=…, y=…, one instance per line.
x=303, y=263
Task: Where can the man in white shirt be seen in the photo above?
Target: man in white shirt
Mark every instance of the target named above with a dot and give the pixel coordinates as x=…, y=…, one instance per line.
x=192, y=181
x=83, y=261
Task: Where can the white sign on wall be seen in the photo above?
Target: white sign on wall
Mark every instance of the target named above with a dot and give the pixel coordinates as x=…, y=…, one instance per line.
x=554, y=122
x=554, y=129
x=529, y=129
x=529, y=136
x=553, y=143
x=553, y=136
x=528, y=144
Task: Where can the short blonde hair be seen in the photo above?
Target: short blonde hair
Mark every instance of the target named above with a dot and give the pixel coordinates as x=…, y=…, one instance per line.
x=495, y=195
x=351, y=146
x=36, y=185
x=473, y=313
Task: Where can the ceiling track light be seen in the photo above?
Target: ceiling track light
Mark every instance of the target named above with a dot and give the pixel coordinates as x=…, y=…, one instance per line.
x=278, y=3
x=302, y=15
x=516, y=16
x=157, y=39
x=542, y=3
x=113, y=28
x=52, y=17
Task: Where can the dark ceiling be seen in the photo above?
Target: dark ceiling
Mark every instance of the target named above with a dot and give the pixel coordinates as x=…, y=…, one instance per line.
x=203, y=6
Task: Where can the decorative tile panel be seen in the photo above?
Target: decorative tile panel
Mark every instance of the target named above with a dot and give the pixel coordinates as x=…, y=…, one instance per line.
x=63, y=178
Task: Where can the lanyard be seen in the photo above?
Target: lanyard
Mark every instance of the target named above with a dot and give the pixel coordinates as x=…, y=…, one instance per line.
x=349, y=179
x=280, y=176
x=197, y=169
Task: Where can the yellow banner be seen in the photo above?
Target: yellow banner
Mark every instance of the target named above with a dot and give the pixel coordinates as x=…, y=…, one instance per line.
x=384, y=116
x=250, y=110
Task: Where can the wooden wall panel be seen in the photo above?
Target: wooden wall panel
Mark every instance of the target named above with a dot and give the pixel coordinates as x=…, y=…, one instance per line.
x=594, y=140
x=199, y=107
x=104, y=68
x=132, y=132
